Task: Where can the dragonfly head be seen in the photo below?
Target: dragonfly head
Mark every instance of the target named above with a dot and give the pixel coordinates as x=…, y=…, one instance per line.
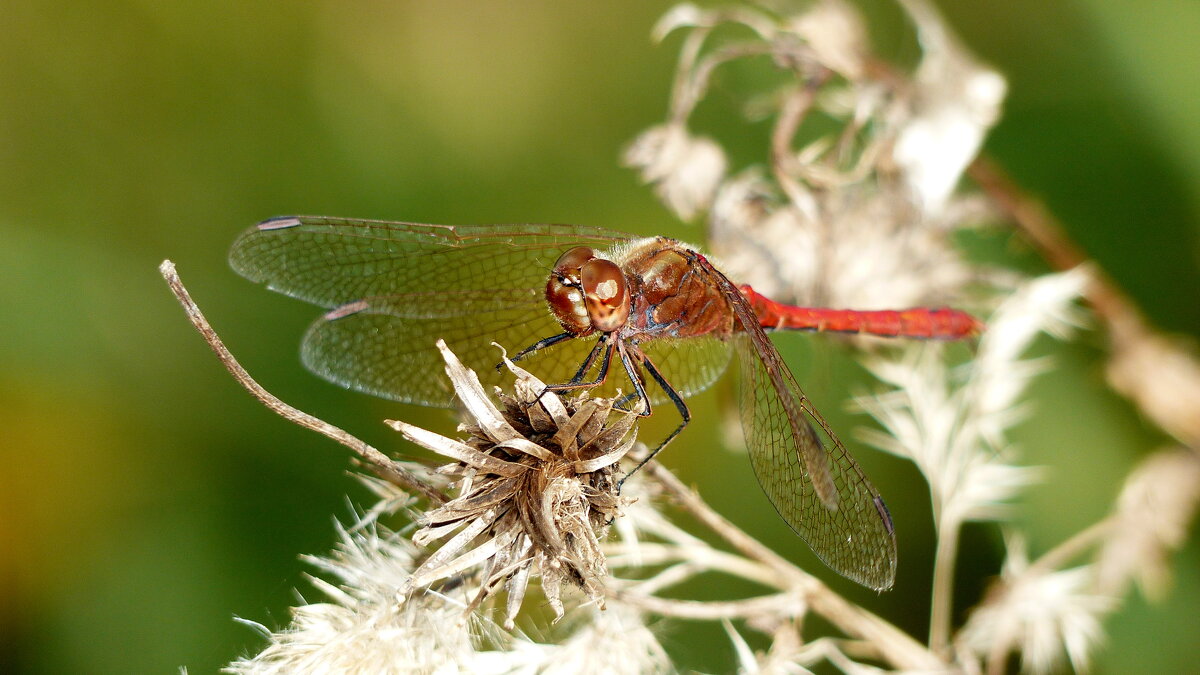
x=587, y=293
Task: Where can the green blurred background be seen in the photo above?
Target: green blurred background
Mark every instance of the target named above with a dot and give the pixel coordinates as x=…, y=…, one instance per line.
x=145, y=500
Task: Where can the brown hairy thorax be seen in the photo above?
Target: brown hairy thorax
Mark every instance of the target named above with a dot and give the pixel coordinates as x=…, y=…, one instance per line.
x=652, y=290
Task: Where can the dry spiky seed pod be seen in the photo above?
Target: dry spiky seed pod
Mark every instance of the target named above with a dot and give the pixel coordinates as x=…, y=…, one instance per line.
x=536, y=489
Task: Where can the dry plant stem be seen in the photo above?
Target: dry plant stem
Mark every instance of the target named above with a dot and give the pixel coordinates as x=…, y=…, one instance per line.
x=688, y=561
x=943, y=588
x=684, y=94
x=799, y=101
x=1068, y=550
x=896, y=647
x=747, y=545
x=781, y=604
x=1129, y=330
x=784, y=164
x=381, y=464
x=783, y=160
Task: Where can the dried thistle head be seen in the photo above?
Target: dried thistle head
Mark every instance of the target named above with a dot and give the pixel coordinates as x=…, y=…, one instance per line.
x=536, y=489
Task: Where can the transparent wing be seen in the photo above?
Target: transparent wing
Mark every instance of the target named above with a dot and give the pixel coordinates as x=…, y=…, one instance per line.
x=398, y=287
x=334, y=261
x=690, y=365
x=809, y=476
x=384, y=346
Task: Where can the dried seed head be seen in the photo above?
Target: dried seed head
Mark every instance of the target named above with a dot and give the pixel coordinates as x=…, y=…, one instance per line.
x=1153, y=515
x=536, y=488
x=685, y=170
x=1044, y=614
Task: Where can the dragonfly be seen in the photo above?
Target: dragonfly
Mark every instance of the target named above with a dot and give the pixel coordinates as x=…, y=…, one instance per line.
x=578, y=298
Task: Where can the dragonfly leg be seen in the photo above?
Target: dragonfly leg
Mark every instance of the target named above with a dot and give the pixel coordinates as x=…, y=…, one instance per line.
x=601, y=377
x=635, y=376
x=590, y=360
x=623, y=402
x=676, y=399
x=539, y=345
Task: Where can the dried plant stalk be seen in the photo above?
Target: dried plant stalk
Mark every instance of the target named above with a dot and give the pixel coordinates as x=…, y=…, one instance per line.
x=382, y=465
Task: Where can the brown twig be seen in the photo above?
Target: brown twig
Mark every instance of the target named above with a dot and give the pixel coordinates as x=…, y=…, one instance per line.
x=1158, y=373
x=1044, y=230
x=383, y=466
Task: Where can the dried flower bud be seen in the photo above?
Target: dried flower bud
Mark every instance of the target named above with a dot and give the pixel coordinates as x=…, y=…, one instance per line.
x=835, y=31
x=685, y=170
x=536, y=488
x=1154, y=512
x=1172, y=397
x=956, y=103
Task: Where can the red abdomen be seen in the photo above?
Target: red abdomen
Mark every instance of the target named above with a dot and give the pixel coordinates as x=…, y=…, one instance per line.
x=919, y=322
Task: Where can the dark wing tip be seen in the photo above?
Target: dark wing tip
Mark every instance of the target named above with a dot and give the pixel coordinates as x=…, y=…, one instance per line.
x=885, y=515
x=887, y=578
x=279, y=223
x=244, y=254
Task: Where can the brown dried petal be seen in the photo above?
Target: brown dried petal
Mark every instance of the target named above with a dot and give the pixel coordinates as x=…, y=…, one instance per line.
x=455, y=449
x=470, y=392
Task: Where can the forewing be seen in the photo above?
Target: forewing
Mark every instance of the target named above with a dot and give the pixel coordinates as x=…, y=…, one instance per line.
x=384, y=346
x=398, y=287
x=334, y=261
x=809, y=476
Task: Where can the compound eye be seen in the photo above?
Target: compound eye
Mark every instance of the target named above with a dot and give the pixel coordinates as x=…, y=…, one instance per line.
x=563, y=292
x=569, y=263
x=606, y=294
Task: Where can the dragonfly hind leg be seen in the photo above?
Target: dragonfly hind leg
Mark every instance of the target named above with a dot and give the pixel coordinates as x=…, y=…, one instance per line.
x=676, y=400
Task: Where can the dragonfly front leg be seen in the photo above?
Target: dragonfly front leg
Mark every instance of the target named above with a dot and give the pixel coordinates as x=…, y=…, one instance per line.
x=591, y=360
x=602, y=345
x=539, y=345
x=635, y=376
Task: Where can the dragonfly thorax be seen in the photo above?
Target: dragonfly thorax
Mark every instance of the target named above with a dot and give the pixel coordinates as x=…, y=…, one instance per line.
x=586, y=293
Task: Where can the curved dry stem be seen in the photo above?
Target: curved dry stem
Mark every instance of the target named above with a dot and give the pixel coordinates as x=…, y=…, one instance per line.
x=382, y=465
x=784, y=165
x=686, y=91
